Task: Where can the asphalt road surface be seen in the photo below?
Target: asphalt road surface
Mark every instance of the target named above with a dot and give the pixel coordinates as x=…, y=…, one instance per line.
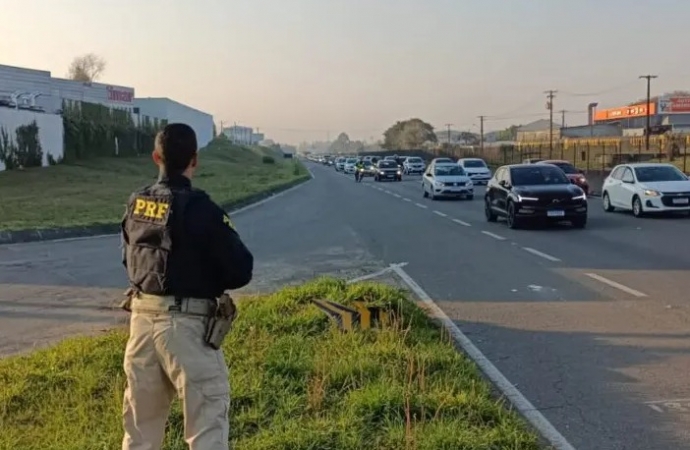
x=590, y=325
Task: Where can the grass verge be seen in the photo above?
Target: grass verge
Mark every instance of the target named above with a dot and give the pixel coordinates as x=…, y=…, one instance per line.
x=94, y=192
x=297, y=384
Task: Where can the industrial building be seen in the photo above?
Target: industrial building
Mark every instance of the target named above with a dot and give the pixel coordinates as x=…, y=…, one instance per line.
x=243, y=135
x=37, y=90
x=667, y=113
x=166, y=109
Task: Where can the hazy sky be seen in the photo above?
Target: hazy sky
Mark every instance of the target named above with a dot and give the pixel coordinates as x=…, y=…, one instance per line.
x=301, y=69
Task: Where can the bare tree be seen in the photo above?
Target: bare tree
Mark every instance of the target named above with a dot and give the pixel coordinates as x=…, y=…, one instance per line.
x=86, y=68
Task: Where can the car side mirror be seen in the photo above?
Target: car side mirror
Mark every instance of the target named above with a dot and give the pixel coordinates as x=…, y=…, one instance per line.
x=430, y=175
x=503, y=183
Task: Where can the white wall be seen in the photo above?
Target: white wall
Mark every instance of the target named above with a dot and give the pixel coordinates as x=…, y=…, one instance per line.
x=50, y=130
x=172, y=111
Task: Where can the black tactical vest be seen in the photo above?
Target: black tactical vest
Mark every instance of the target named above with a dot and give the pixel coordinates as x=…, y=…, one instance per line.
x=155, y=227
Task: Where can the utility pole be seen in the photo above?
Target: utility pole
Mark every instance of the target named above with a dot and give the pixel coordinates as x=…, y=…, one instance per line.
x=481, y=134
x=448, y=125
x=549, y=105
x=649, y=107
x=562, y=111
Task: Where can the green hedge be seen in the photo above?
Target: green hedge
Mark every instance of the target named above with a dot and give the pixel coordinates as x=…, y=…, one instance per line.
x=93, y=130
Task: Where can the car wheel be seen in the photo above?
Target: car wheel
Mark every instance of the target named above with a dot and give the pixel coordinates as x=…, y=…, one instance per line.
x=637, y=207
x=488, y=212
x=425, y=193
x=513, y=221
x=606, y=201
x=580, y=222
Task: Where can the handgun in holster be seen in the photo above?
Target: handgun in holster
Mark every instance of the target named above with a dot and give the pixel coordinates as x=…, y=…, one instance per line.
x=126, y=304
x=221, y=323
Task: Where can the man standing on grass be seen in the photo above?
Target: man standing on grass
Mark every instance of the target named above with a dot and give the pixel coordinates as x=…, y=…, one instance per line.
x=181, y=252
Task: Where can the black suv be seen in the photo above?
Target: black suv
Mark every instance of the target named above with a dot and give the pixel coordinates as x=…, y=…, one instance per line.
x=525, y=192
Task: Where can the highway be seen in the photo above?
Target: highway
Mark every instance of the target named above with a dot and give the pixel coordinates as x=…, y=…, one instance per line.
x=590, y=325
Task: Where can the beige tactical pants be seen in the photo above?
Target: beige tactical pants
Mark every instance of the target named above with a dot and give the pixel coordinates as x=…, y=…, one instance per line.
x=165, y=355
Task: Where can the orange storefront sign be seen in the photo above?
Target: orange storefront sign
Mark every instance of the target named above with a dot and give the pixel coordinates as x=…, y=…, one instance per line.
x=625, y=112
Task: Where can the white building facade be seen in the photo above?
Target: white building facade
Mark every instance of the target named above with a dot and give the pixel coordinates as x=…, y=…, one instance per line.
x=172, y=111
x=37, y=90
x=239, y=135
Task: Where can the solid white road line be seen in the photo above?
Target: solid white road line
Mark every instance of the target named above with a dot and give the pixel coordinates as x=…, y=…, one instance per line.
x=541, y=254
x=234, y=213
x=439, y=213
x=420, y=205
x=495, y=236
x=616, y=285
x=528, y=411
x=461, y=222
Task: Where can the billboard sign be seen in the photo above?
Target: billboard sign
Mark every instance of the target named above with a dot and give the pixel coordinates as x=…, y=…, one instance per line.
x=625, y=112
x=674, y=105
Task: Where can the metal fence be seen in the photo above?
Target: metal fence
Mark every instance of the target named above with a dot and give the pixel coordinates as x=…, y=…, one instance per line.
x=587, y=154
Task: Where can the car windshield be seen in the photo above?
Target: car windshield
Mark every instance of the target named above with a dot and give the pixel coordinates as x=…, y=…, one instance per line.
x=473, y=163
x=387, y=164
x=414, y=160
x=530, y=176
x=444, y=161
x=659, y=173
x=351, y=161
x=445, y=171
x=567, y=168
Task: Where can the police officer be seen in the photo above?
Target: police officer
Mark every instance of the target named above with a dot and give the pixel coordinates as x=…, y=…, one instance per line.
x=359, y=165
x=181, y=252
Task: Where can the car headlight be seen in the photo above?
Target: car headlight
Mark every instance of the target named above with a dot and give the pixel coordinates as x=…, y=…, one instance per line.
x=469, y=183
x=651, y=193
x=527, y=199
x=399, y=172
x=580, y=197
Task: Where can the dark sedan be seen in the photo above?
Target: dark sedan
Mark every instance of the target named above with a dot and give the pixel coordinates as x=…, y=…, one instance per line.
x=528, y=192
x=388, y=170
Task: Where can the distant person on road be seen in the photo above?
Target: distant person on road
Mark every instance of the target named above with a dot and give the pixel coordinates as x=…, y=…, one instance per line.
x=359, y=165
x=181, y=252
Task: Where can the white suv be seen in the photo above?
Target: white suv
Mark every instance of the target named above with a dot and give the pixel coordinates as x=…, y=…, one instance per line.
x=413, y=164
x=476, y=169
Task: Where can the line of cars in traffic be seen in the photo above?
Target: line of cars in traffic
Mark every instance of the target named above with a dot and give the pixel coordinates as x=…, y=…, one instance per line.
x=536, y=190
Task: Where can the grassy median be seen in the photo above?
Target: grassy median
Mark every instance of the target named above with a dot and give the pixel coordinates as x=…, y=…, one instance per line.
x=297, y=383
x=94, y=191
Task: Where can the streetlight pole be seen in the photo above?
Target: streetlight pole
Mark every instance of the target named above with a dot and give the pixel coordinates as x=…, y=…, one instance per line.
x=649, y=102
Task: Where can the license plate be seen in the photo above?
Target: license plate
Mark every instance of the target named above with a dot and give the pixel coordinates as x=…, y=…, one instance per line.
x=680, y=201
x=555, y=213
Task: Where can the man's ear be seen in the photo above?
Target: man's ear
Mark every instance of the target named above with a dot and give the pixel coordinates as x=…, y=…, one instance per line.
x=195, y=161
x=157, y=158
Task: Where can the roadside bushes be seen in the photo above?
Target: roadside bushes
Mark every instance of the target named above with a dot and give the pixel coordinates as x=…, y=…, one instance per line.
x=93, y=130
x=24, y=151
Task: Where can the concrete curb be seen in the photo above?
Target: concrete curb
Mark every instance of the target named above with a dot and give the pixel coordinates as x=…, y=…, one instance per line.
x=51, y=234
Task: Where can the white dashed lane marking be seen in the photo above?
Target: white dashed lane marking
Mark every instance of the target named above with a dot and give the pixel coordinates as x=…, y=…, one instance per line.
x=495, y=236
x=439, y=213
x=407, y=199
x=420, y=205
x=541, y=254
x=462, y=222
x=397, y=196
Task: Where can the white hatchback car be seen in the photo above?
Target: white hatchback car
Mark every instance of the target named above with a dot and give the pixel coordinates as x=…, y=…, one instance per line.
x=646, y=188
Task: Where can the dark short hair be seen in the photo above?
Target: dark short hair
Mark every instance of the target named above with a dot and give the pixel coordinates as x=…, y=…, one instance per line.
x=176, y=145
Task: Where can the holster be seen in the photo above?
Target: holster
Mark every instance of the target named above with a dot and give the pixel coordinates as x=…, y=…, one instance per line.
x=221, y=323
x=126, y=304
